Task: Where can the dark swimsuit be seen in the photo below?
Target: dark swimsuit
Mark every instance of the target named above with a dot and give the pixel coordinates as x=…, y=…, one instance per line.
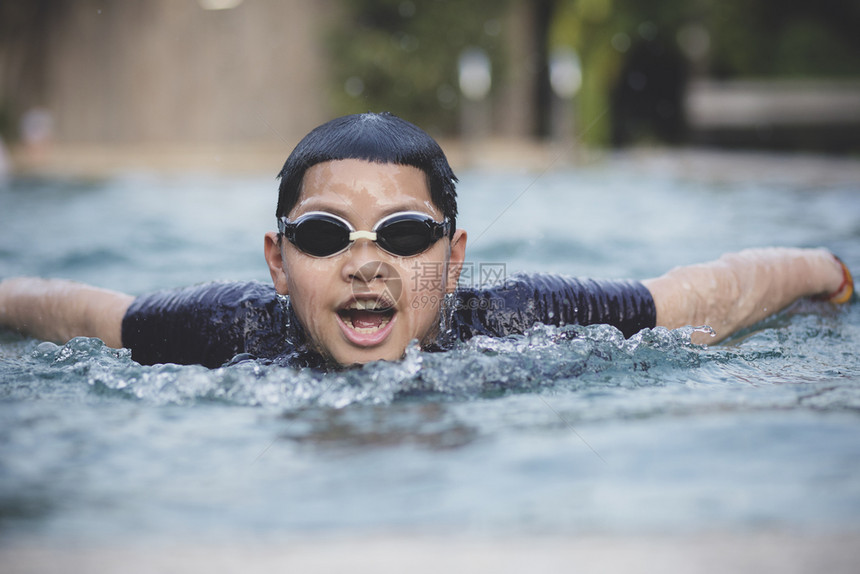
x=213, y=323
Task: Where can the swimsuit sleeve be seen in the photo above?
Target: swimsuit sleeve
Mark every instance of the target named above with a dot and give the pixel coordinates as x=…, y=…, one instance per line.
x=525, y=300
x=205, y=324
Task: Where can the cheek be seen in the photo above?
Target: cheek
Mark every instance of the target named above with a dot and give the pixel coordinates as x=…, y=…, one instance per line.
x=424, y=290
x=307, y=274
x=309, y=283
x=424, y=277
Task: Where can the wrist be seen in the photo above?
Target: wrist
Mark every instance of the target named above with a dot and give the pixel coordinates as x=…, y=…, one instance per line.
x=845, y=291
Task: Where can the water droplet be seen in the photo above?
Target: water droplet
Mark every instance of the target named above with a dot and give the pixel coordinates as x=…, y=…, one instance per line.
x=705, y=329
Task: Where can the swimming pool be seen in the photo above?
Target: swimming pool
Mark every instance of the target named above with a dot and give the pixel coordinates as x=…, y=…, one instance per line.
x=571, y=431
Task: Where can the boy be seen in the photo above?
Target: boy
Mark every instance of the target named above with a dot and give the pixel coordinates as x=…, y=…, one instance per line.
x=367, y=258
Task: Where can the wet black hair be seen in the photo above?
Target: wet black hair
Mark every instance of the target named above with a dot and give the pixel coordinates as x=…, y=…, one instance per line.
x=380, y=138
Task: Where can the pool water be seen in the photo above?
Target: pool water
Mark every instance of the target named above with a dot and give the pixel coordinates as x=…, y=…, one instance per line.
x=562, y=430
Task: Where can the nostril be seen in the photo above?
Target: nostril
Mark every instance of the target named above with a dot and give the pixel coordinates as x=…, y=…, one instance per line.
x=370, y=271
x=378, y=278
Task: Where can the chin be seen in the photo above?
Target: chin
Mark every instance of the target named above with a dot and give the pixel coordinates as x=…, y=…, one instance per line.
x=362, y=357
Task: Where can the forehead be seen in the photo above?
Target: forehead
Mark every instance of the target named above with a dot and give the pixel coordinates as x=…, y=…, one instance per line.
x=348, y=184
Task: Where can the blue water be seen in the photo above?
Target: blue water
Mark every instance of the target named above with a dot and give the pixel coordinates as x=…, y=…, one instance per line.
x=571, y=430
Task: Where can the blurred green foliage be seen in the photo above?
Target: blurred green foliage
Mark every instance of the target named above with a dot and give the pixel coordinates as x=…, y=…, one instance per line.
x=401, y=55
x=795, y=38
x=743, y=39
x=605, y=33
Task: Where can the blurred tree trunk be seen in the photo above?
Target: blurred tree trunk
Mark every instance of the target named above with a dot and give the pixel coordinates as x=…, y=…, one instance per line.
x=542, y=20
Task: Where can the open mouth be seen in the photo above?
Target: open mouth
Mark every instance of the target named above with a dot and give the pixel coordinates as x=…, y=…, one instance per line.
x=367, y=316
x=366, y=321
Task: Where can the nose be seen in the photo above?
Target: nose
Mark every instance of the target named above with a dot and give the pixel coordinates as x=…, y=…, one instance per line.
x=363, y=263
x=367, y=271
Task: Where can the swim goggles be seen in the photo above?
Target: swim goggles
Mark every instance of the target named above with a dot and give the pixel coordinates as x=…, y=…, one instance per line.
x=322, y=234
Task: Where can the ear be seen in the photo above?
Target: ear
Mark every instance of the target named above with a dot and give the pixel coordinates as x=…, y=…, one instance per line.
x=455, y=262
x=275, y=260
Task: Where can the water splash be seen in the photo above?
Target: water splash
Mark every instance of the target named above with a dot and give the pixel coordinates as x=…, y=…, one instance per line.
x=545, y=359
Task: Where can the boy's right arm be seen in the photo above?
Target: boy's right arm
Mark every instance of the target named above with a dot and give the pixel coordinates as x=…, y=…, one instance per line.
x=59, y=310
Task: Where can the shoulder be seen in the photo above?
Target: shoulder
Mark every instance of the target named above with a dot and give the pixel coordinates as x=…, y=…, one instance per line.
x=522, y=300
x=536, y=284
x=218, y=294
x=207, y=323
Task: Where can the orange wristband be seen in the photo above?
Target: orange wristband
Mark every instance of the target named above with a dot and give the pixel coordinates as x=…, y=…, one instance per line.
x=846, y=288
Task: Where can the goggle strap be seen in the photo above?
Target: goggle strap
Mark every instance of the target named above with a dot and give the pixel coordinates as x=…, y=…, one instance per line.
x=362, y=235
x=440, y=230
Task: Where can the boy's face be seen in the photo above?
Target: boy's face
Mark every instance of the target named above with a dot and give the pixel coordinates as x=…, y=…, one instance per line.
x=365, y=304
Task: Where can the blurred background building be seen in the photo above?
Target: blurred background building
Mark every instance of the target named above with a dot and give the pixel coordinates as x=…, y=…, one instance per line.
x=776, y=74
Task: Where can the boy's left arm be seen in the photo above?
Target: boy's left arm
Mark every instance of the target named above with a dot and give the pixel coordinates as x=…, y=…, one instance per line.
x=740, y=289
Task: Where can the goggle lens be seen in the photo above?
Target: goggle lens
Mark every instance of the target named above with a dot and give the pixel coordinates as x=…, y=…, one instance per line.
x=405, y=237
x=321, y=237
x=404, y=234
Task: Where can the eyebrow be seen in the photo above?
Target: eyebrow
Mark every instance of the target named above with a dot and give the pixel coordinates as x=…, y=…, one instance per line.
x=345, y=214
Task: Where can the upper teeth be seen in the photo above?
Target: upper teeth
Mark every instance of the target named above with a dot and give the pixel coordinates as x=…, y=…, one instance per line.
x=368, y=304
